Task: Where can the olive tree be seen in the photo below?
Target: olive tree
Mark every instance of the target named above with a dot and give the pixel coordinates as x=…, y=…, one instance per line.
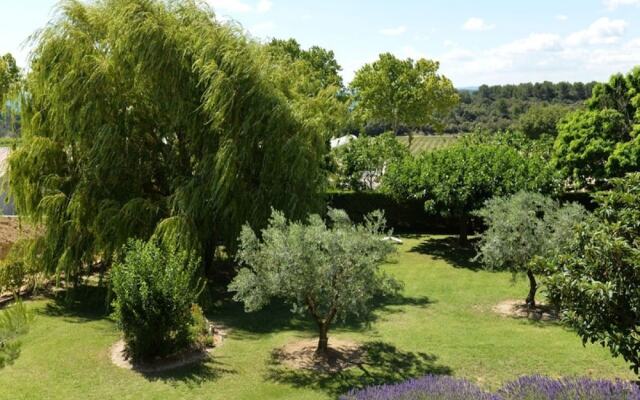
x=328, y=270
x=596, y=280
x=523, y=229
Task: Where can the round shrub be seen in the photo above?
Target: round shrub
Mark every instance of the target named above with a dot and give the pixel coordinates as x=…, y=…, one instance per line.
x=155, y=289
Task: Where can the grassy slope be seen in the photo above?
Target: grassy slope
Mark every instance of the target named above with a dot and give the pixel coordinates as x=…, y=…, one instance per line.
x=422, y=143
x=442, y=324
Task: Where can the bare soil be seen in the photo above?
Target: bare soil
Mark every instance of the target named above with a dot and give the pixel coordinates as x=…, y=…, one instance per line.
x=518, y=309
x=302, y=354
x=120, y=358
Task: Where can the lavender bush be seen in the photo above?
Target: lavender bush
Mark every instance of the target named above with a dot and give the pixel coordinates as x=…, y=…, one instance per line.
x=430, y=387
x=434, y=387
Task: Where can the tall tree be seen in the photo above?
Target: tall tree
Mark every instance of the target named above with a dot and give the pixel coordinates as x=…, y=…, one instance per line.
x=147, y=117
x=9, y=75
x=402, y=92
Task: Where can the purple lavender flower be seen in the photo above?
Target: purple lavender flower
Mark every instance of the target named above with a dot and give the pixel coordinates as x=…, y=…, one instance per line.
x=543, y=388
x=430, y=387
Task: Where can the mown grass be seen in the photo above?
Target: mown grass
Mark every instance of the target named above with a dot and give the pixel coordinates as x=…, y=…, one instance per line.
x=442, y=323
x=423, y=143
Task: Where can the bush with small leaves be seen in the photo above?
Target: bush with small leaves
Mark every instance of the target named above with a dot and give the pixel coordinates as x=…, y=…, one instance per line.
x=14, y=322
x=155, y=290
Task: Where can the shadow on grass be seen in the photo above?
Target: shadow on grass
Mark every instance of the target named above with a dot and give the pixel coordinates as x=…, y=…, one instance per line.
x=193, y=375
x=381, y=363
x=80, y=304
x=278, y=316
x=448, y=249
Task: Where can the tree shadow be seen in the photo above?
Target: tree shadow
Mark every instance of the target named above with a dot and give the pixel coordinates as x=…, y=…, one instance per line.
x=83, y=303
x=449, y=250
x=381, y=363
x=192, y=375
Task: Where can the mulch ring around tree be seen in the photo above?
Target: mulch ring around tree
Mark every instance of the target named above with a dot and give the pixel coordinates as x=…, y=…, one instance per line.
x=518, y=309
x=342, y=354
x=120, y=358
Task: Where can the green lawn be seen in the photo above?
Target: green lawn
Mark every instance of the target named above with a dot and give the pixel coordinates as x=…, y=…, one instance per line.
x=443, y=323
x=422, y=143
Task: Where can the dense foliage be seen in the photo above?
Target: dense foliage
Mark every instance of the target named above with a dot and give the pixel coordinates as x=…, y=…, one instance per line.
x=542, y=120
x=155, y=290
x=10, y=76
x=522, y=229
x=402, y=92
x=362, y=162
x=597, y=279
x=14, y=322
x=148, y=116
x=457, y=180
x=328, y=271
x=501, y=107
x=434, y=387
x=602, y=142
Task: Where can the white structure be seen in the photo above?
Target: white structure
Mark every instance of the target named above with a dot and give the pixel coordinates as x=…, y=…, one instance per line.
x=342, y=140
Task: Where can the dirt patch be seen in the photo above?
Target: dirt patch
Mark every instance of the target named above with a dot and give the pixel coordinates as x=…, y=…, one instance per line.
x=119, y=356
x=342, y=354
x=11, y=230
x=518, y=309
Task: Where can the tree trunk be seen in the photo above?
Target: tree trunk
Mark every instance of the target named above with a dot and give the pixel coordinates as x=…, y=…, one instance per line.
x=533, y=287
x=323, y=342
x=463, y=238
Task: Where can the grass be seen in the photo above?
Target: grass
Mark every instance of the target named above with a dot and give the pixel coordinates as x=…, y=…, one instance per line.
x=443, y=323
x=422, y=143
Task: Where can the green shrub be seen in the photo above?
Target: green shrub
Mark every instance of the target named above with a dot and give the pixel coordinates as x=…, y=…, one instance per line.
x=155, y=289
x=14, y=322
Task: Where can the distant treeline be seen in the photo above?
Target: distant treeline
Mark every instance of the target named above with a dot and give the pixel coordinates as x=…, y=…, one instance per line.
x=499, y=107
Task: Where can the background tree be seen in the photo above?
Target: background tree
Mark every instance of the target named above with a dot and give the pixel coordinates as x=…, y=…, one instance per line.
x=601, y=142
x=596, y=281
x=9, y=75
x=542, y=120
x=164, y=123
x=330, y=272
x=402, y=92
x=361, y=163
x=521, y=230
x=458, y=180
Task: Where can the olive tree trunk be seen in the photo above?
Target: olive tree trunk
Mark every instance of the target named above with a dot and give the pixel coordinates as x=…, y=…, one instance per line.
x=533, y=288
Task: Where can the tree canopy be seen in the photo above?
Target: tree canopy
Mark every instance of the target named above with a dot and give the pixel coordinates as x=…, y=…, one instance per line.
x=602, y=141
x=457, y=180
x=522, y=229
x=148, y=117
x=402, y=92
x=596, y=280
x=328, y=271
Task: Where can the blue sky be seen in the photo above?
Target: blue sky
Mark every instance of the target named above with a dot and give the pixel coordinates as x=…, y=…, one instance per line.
x=490, y=41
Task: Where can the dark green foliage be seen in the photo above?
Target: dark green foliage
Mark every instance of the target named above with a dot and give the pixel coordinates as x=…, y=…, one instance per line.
x=542, y=120
x=500, y=107
x=361, y=163
x=327, y=271
x=457, y=180
x=602, y=142
x=596, y=281
x=149, y=117
x=155, y=289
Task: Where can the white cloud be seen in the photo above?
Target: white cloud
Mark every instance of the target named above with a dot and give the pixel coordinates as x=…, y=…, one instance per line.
x=448, y=43
x=399, y=30
x=561, y=17
x=239, y=6
x=477, y=24
x=602, y=31
x=533, y=43
x=411, y=52
x=613, y=4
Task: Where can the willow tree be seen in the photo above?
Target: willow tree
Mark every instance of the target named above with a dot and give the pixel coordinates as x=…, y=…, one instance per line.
x=150, y=118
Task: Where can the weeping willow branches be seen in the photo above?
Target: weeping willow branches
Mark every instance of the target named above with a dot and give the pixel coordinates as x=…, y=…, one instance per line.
x=148, y=117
